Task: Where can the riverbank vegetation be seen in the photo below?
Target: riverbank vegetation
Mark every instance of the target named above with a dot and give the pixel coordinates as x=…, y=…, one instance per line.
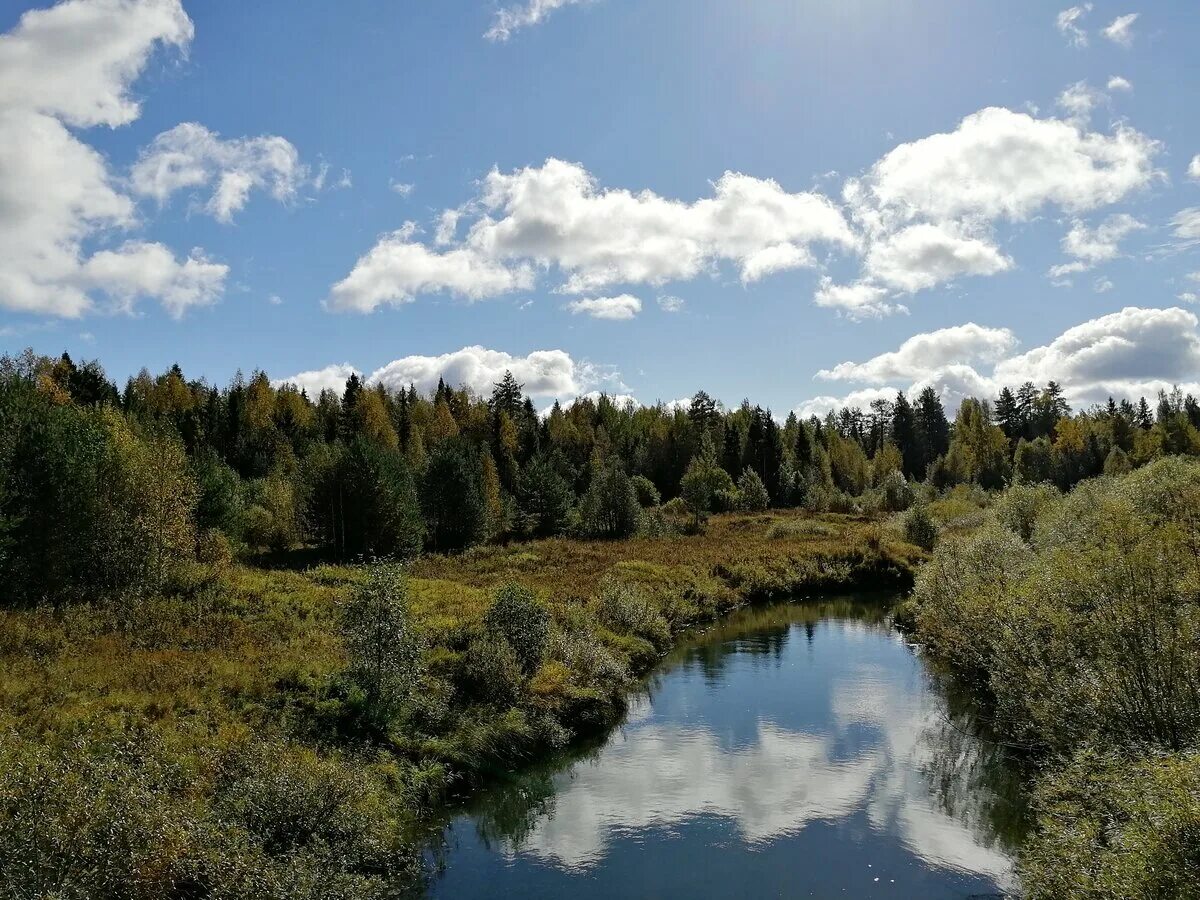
x=248, y=638
x=1077, y=618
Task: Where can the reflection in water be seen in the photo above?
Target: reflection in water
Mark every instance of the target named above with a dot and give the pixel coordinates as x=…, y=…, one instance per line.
x=796, y=749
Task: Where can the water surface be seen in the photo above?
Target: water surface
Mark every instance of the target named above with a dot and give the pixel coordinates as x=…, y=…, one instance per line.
x=798, y=750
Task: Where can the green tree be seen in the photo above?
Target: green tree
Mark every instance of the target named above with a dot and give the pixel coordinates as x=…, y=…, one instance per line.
x=452, y=498
x=383, y=646
x=752, y=492
x=610, y=508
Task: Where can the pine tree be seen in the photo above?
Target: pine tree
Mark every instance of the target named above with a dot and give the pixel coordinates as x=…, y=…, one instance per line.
x=904, y=436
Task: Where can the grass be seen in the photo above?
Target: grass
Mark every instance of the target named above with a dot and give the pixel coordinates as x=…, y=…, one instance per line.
x=245, y=665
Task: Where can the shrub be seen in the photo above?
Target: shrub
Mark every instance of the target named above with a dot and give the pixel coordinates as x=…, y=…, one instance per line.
x=898, y=494
x=752, y=493
x=647, y=494
x=1115, y=828
x=383, y=647
x=517, y=618
x=622, y=608
x=491, y=671
x=1019, y=507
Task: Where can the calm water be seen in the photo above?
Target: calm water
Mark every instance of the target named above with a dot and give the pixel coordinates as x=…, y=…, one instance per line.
x=798, y=750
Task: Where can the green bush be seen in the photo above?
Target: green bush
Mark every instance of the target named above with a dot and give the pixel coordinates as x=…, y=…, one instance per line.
x=752, y=493
x=647, y=494
x=919, y=529
x=519, y=619
x=491, y=671
x=622, y=608
x=1114, y=827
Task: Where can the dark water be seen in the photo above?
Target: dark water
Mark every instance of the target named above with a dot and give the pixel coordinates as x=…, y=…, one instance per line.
x=798, y=750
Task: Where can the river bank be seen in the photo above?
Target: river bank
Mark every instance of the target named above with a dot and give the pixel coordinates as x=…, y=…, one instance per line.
x=217, y=714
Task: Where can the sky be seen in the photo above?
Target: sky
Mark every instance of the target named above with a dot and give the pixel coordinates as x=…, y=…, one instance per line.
x=803, y=203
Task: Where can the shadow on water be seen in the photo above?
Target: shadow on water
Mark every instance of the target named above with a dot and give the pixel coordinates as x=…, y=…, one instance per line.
x=788, y=733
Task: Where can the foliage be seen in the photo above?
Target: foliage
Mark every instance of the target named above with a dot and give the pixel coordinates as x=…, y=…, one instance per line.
x=382, y=646
x=919, y=528
x=517, y=618
x=610, y=508
x=752, y=493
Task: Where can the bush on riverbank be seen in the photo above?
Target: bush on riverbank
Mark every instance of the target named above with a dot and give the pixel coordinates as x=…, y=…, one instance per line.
x=1078, y=617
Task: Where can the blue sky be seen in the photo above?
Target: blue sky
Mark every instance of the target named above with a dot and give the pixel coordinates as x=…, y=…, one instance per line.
x=289, y=144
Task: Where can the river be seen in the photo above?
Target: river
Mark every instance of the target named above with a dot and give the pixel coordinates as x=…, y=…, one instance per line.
x=798, y=749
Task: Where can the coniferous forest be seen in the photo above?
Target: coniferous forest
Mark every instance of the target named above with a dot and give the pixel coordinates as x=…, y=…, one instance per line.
x=252, y=638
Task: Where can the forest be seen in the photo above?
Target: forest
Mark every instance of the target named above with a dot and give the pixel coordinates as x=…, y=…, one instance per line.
x=237, y=622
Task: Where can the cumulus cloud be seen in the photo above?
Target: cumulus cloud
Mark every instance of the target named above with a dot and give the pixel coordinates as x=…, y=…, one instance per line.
x=1128, y=354
x=73, y=65
x=546, y=374
x=620, y=308
x=141, y=269
x=1194, y=168
x=1068, y=24
x=1120, y=30
x=999, y=164
x=1092, y=246
x=922, y=256
x=332, y=377
x=510, y=19
x=398, y=268
x=928, y=209
x=1117, y=83
x=557, y=217
x=670, y=303
x=191, y=156
x=859, y=300
x=923, y=353
x=1079, y=99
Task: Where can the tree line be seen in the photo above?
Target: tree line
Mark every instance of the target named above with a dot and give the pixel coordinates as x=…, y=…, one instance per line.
x=102, y=488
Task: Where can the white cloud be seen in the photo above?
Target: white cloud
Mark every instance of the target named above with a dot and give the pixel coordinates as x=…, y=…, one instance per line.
x=544, y=373
x=1102, y=285
x=1000, y=164
x=556, y=216
x=75, y=61
x=1117, y=83
x=1092, y=246
x=401, y=188
x=820, y=406
x=928, y=208
x=1188, y=297
x=1068, y=24
x=671, y=304
x=1187, y=225
x=331, y=378
x=1194, y=168
x=922, y=353
x=74, y=64
x=141, y=269
x=191, y=156
x=397, y=268
x=1078, y=100
x=923, y=256
x=859, y=300
x=513, y=18
x=1129, y=354
x=619, y=308
x=1120, y=30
